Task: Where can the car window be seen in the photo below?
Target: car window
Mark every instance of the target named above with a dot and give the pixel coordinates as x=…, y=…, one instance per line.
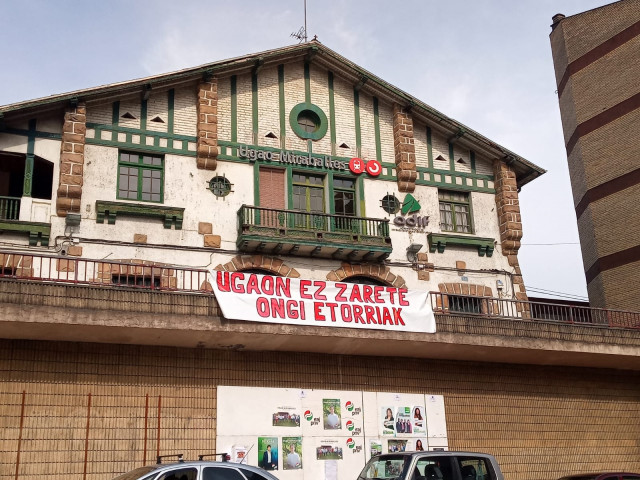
x=137, y=473
x=187, y=473
x=221, y=473
x=251, y=475
x=433, y=468
x=389, y=466
x=630, y=477
x=473, y=468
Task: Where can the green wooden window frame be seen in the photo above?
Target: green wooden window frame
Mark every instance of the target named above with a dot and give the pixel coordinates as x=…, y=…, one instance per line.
x=309, y=183
x=140, y=167
x=341, y=188
x=310, y=112
x=456, y=214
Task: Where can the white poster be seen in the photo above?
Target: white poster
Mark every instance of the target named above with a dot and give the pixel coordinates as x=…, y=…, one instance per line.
x=338, y=431
x=292, y=301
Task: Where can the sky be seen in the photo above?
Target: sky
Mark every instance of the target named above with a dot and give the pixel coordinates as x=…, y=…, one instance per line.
x=485, y=63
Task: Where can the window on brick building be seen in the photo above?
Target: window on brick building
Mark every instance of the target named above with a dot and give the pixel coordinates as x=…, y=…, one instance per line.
x=140, y=177
x=455, y=211
x=464, y=304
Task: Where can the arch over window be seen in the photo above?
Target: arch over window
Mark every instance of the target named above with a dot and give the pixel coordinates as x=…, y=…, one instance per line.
x=258, y=264
x=369, y=273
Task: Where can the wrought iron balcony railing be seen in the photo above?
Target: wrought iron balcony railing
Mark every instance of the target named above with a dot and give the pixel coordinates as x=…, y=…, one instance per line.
x=9, y=208
x=311, y=233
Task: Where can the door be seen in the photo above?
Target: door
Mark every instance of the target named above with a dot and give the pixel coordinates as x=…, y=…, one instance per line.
x=272, y=190
x=308, y=196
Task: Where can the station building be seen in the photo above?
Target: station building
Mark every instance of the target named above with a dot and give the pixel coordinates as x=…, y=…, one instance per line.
x=119, y=203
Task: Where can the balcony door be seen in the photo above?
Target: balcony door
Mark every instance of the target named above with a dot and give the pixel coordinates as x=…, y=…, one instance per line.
x=308, y=196
x=272, y=189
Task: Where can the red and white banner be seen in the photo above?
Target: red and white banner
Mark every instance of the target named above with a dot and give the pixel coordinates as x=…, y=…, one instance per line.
x=292, y=301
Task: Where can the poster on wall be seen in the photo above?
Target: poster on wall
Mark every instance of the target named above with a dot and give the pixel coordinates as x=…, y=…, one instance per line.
x=268, y=453
x=418, y=422
x=375, y=447
x=388, y=421
x=396, y=445
x=331, y=413
x=309, y=434
x=403, y=421
x=292, y=448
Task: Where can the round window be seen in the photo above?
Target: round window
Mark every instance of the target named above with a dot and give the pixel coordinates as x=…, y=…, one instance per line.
x=308, y=121
x=220, y=186
x=390, y=204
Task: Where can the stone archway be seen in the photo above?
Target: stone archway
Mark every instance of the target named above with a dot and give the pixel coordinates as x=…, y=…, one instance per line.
x=269, y=264
x=377, y=272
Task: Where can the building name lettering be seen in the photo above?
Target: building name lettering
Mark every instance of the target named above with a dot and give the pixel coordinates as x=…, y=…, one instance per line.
x=412, y=221
x=289, y=158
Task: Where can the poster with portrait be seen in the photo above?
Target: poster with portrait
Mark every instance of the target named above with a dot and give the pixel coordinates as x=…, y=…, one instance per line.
x=285, y=417
x=268, y=453
x=404, y=426
x=292, y=453
x=418, y=420
x=329, y=450
x=395, y=445
x=388, y=420
x=417, y=444
x=331, y=413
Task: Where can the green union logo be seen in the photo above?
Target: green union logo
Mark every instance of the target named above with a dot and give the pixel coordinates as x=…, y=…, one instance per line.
x=410, y=205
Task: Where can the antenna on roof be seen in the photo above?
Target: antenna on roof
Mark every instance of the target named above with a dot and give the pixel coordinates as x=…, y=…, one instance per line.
x=301, y=34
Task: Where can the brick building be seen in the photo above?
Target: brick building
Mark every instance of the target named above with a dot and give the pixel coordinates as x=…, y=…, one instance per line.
x=597, y=65
x=118, y=202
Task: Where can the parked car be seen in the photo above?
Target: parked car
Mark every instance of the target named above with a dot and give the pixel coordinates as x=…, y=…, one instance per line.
x=603, y=476
x=197, y=470
x=436, y=465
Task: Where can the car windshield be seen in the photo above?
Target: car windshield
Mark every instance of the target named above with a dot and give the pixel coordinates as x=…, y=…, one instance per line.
x=137, y=473
x=385, y=467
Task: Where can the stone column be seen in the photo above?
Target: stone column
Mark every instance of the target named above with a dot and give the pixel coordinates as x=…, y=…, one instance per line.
x=405, y=149
x=508, y=209
x=207, y=150
x=72, y=160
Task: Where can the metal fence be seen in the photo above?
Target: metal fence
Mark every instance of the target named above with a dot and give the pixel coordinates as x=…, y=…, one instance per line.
x=512, y=308
x=82, y=271
x=9, y=208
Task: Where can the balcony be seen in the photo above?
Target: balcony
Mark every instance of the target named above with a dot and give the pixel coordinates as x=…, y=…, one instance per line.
x=62, y=298
x=288, y=232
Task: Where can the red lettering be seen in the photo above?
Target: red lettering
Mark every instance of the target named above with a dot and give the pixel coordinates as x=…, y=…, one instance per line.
x=397, y=318
x=304, y=284
x=303, y=313
x=339, y=297
x=391, y=291
x=277, y=308
x=283, y=287
x=222, y=279
x=386, y=317
x=267, y=285
x=357, y=314
x=355, y=293
x=378, y=315
x=262, y=306
x=252, y=284
x=401, y=300
x=377, y=291
x=346, y=313
x=367, y=291
x=332, y=306
x=235, y=287
x=317, y=313
x=291, y=309
x=369, y=312
x=320, y=288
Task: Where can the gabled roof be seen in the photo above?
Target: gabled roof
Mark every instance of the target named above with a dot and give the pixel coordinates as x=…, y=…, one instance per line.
x=314, y=52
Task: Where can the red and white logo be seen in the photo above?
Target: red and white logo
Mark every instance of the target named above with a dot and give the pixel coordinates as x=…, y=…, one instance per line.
x=374, y=168
x=356, y=165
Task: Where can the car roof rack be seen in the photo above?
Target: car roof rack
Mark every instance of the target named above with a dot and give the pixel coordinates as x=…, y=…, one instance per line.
x=178, y=455
x=225, y=456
